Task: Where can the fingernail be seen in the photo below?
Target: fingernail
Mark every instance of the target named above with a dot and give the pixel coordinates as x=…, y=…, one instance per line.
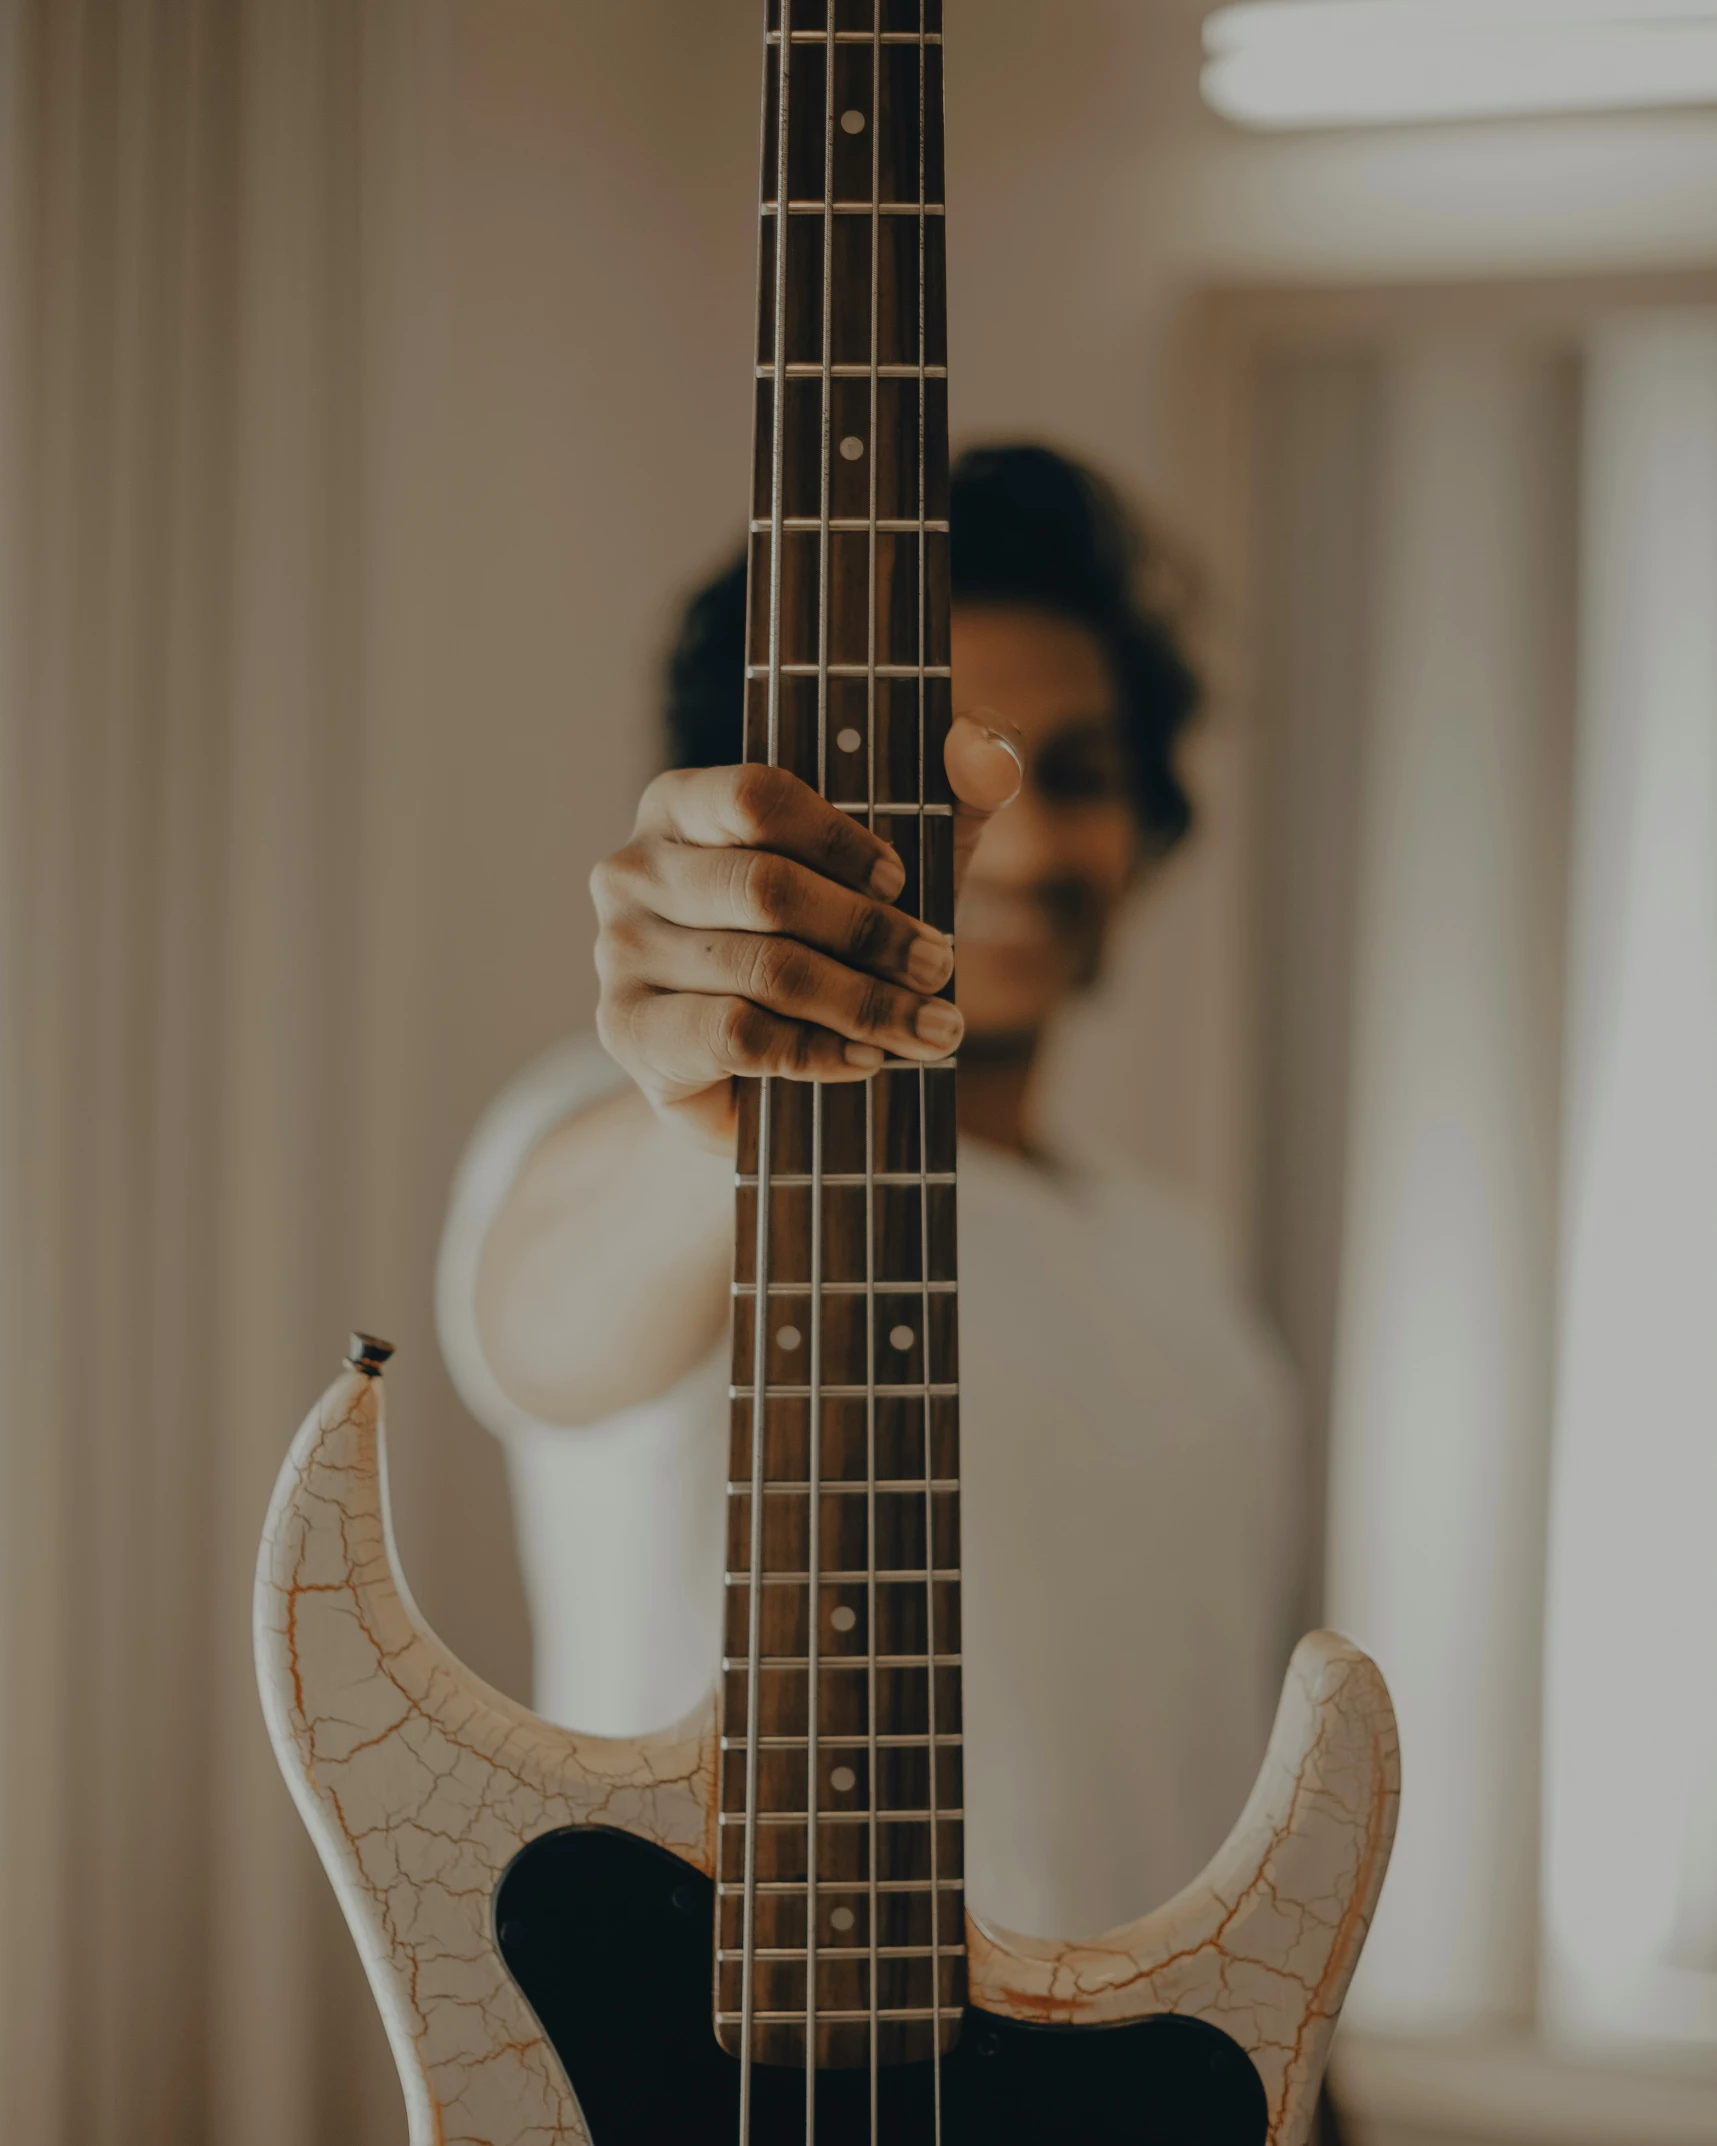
x=930, y=963
x=939, y=1024
x=1007, y=735
x=887, y=877
x=864, y=1054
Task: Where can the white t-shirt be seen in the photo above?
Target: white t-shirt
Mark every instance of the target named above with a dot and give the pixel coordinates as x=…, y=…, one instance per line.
x=1131, y=1523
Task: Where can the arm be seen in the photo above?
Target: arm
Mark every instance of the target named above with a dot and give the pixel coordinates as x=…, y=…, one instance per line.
x=603, y=1280
x=745, y=929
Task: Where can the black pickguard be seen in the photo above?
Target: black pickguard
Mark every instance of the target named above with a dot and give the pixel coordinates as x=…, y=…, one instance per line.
x=612, y=1942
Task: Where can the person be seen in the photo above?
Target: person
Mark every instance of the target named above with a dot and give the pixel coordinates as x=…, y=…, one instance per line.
x=1131, y=1522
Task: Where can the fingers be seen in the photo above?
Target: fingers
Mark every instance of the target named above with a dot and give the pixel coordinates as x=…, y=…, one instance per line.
x=793, y=981
x=747, y=928
x=741, y=890
x=759, y=807
x=985, y=769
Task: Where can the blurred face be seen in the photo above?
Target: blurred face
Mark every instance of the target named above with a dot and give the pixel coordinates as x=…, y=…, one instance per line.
x=1051, y=867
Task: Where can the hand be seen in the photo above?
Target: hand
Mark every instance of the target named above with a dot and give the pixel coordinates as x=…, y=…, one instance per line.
x=746, y=929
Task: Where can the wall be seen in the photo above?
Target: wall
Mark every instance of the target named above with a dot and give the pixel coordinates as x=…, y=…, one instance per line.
x=584, y=298
x=592, y=239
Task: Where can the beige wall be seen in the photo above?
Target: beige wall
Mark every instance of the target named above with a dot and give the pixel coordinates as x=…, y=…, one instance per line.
x=582, y=333
x=578, y=351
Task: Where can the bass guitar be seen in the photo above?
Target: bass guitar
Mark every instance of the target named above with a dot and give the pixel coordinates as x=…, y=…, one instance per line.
x=751, y=1928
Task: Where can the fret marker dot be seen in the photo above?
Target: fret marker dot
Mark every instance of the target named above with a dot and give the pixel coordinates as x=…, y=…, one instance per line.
x=852, y=448
x=844, y=1619
x=789, y=1338
x=852, y=122
x=902, y=1336
x=849, y=741
x=843, y=1778
x=843, y=1919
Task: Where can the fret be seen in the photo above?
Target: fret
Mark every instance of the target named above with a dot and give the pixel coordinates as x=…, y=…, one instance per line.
x=913, y=1886
x=860, y=37
x=884, y=1576
x=895, y=1488
x=849, y=524
x=831, y=2016
x=856, y=208
x=790, y=1180
x=851, y=670
x=841, y=1818
x=852, y=1848
x=844, y=1743
x=905, y=19
x=848, y=1661
x=906, y=1980
x=855, y=372
x=812, y=16
x=884, y=1486
x=946, y=1391
x=905, y=1286
x=832, y=1952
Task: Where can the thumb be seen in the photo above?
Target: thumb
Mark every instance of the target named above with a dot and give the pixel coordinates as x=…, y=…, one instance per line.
x=985, y=766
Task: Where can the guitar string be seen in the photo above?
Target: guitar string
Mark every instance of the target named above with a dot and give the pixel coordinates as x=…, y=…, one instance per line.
x=814, y=1423
x=822, y=671
x=765, y=1112
x=872, y=1906
x=927, y=1369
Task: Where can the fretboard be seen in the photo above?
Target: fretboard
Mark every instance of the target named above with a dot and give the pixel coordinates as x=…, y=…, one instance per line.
x=841, y=1926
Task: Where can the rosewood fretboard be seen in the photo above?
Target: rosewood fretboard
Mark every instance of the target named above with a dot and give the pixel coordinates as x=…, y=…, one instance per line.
x=841, y=1925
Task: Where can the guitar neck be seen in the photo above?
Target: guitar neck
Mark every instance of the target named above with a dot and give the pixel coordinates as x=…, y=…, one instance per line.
x=841, y=1926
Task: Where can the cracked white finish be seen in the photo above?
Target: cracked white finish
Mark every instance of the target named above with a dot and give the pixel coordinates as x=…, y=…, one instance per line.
x=1264, y=1942
x=420, y=1784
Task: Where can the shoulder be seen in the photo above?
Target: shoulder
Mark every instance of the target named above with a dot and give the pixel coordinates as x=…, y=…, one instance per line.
x=570, y=1076
x=1096, y=1230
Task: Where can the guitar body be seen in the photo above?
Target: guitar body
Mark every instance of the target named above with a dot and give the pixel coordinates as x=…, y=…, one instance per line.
x=534, y=1909
x=586, y=1916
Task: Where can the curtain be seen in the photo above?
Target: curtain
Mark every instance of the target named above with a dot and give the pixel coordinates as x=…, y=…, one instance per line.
x=1631, y=1907
x=1486, y=535
x=216, y=558
x=373, y=374
x=1444, y=1339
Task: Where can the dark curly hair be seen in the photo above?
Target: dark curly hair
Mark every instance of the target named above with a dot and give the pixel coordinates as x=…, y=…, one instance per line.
x=1028, y=526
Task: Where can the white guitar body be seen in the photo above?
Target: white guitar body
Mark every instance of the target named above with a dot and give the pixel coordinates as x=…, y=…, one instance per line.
x=419, y=1784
